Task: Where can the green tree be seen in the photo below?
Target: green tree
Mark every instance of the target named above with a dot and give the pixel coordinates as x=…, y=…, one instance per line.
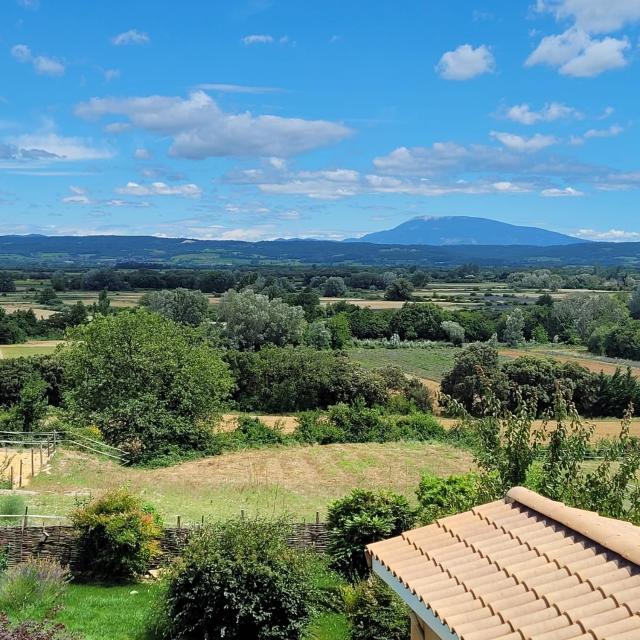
x=513, y=334
x=7, y=285
x=453, y=331
x=180, y=305
x=148, y=383
x=31, y=407
x=399, y=289
x=47, y=296
x=59, y=281
x=103, y=306
x=319, y=335
x=339, y=329
x=251, y=320
x=334, y=287
x=418, y=321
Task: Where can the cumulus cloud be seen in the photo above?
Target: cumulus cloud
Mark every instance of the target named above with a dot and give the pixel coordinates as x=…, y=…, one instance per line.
x=78, y=195
x=258, y=38
x=133, y=36
x=465, y=62
x=612, y=235
x=111, y=74
x=42, y=65
x=200, y=129
x=567, y=192
x=531, y=144
x=523, y=113
x=594, y=16
x=160, y=189
x=142, y=154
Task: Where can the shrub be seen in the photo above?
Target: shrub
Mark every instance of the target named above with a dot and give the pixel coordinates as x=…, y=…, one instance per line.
x=315, y=428
x=419, y=426
x=375, y=612
x=253, y=432
x=360, y=518
x=239, y=580
x=119, y=535
x=32, y=631
x=11, y=505
x=439, y=497
x=360, y=423
x=37, y=584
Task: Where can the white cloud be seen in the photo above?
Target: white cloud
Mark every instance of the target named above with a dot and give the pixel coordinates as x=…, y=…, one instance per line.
x=142, y=154
x=133, y=36
x=117, y=127
x=465, y=62
x=612, y=235
x=42, y=65
x=523, y=113
x=321, y=185
x=567, y=192
x=611, y=132
x=29, y=4
x=598, y=57
x=111, y=74
x=518, y=143
x=50, y=145
x=78, y=195
x=594, y=16
x=236, y=88
x=200, y=129
x=258, y=39
x=160, y=189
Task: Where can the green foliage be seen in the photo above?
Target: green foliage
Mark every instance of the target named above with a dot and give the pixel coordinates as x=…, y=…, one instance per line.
x=399, y=289
x=315, y=428
x=334, y=287
x=439, y=497
x=375, y=612
x=32, y=630
x=453, y=331
x=513, y=333
x=120, y=535
x=238, y=580
x=623, y=341
x=180, y=305
x=150, y=385
x=300, y=378
x=12, y=504
x=252, y=432
x=251, y=320
x=31, y=407
x=338, y=326
x=318, y=335
x=361, y=518
x=7, y=285
x=35, y=585
x=418, y=321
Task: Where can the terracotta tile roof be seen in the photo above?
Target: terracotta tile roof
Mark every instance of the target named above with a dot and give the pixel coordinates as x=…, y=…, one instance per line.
x=522, y=568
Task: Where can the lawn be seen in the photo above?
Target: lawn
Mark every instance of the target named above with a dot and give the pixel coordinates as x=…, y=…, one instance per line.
x=431, y=363
x=297, y=480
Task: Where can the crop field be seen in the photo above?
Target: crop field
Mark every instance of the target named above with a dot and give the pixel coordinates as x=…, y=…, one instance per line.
x=31, y=348
x=296, y=480
x=430, y=363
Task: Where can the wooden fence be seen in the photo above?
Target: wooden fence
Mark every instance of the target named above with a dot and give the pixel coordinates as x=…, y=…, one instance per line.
x=61, y=542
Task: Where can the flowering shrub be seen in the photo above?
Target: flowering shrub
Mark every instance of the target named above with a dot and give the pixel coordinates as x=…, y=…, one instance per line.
x=32, y=631
x=120, y=535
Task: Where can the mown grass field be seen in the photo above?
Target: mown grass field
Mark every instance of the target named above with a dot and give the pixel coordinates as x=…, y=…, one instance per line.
x=31, y=348
x=294, y=480
x=431, y=363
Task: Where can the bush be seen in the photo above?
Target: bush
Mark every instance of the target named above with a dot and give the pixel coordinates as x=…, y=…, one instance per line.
x=315, y=428
x=361, y=518
x=254, y=433
x=375, y=612
x=239, y=580
x=35, y=585
x=119, y=535
x=439, y=497
x=32, y=631
x=419, y=426
x=12, y=504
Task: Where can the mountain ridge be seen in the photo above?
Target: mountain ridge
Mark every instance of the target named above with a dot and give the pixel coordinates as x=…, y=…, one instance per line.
x=443, y=231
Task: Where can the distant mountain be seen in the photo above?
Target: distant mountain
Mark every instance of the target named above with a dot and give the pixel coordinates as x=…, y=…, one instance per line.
x=457, y=230
x=65, y=252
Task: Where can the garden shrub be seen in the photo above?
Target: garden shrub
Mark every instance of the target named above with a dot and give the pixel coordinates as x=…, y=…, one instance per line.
x=239, y=580
x=119, y=535
x=37, y=584
x=32, y=630
x=439, y=497
x=375, y=612
x=360, y=518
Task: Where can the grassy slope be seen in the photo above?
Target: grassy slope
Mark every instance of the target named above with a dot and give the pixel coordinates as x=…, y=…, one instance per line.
x=31, y=348
x=294, y=480
x=430, y=363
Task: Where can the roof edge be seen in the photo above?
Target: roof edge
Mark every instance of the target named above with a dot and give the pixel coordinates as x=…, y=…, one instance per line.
x=618, y=536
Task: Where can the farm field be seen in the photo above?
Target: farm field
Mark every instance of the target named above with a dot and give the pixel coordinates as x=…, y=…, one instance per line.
x=296, y=480
x=430, y=363
x=31, y=348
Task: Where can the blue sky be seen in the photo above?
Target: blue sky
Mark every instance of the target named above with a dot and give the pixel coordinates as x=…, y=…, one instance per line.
x=257, y=119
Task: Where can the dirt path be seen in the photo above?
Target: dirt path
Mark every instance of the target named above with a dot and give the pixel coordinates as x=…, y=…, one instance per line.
x=31, y=464
x=589, y=363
